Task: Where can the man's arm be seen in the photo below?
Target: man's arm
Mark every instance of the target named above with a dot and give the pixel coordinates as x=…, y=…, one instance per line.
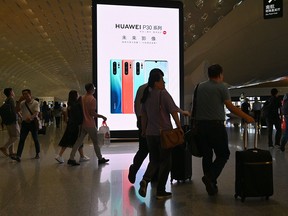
x=238, y=111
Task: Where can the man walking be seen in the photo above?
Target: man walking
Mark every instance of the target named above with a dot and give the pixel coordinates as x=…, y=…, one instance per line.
x=88, y=126
x=142, y=152
x=274, y=117
x=11, y=123
x=212, y=95
x=29, y=110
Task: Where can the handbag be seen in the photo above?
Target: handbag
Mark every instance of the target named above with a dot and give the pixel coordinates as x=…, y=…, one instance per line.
x=36, y=120
x=171, y=137
x=191, y=136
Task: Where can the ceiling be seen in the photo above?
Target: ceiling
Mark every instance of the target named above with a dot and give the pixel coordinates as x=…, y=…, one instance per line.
x=201, y=15
x=46, y=45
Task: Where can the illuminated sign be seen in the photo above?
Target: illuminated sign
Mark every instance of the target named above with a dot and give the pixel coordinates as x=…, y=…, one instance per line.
x=273, y=9
x=130, y=39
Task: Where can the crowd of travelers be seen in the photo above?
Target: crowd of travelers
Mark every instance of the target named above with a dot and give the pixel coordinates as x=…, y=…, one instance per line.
x=25, y=114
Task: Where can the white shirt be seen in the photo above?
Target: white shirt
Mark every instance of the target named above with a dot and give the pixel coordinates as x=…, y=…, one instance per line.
x=34, y=107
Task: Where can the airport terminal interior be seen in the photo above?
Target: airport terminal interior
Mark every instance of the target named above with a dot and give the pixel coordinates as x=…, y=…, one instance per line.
x=45, y=187
x=47, y=46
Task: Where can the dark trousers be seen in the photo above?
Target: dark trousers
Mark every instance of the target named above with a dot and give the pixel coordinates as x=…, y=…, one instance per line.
x=257, y=116
x=213, y=137
x=160, y=159
x=25, y=129
x=277, y=123
x=142, y=152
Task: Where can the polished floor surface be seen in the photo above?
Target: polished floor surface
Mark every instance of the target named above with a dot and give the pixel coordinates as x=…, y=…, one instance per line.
x=44, y=187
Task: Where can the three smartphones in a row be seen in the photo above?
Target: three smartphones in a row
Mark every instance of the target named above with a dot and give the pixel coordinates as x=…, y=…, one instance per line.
x=126, y=76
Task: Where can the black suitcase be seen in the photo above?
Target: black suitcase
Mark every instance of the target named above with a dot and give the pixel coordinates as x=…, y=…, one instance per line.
x=181, y=166
x=254, y=171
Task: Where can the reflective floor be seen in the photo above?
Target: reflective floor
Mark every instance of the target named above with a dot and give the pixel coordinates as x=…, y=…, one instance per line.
x=44, y=187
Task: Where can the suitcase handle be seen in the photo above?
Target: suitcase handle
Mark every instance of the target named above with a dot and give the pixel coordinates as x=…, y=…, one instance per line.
x=245, y=136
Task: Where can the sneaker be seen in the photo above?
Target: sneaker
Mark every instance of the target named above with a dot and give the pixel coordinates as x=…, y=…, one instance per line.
x=282, y=148
x=143, y=188
x=103, y=161
x=163, y=195
x=59, y=159
x=15, y=157
x=210, y=188
x=84, y=158
x=37, y=156
x=131, y=175
x=73, y=163
x=4, y=151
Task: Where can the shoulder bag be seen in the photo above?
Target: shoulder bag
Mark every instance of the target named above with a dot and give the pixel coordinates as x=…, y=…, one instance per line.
x=172, y=137
x=191, y=136
x=37, y=121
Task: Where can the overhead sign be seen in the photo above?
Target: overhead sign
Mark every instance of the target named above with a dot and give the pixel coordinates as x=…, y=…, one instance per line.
x=273, y=9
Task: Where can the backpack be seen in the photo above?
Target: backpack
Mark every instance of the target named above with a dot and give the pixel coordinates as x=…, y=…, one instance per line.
x=7, y=114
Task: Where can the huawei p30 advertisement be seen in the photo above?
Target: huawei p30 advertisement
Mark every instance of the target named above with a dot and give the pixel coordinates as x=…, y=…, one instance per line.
x=128, y=42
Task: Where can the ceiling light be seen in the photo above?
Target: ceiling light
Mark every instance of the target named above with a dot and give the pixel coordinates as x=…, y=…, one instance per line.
x=199, y=3
x=191, y=27
x=205, y=30
x=29, y=12
x=204, y=17
x=237, y=4
x=219, y=4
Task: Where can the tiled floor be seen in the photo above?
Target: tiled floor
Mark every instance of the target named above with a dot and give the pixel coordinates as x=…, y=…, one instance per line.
x=44, y=187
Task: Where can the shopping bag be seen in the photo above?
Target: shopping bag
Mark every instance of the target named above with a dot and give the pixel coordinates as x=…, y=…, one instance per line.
x=104, y=134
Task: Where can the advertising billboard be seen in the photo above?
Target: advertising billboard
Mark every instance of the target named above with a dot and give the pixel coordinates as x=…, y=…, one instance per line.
x=129, y=40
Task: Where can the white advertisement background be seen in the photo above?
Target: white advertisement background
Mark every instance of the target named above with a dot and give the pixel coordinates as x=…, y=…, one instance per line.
x=110, y=46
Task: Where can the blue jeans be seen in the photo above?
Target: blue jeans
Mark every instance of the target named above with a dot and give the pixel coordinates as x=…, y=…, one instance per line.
x=213, y=137
x=285, y=134
x=27, y=127
x=159, y=159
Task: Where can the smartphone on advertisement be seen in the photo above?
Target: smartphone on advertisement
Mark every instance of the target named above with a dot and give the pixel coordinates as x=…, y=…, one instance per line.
x=162, y=65
x=127, y=87
x=116, y=86
x=138, y=75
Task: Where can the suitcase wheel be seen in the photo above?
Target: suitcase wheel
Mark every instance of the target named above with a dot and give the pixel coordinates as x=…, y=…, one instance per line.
x=242, y=198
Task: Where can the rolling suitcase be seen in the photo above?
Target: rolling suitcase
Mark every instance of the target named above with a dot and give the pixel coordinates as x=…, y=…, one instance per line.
x=254, y=171
x=181, y=166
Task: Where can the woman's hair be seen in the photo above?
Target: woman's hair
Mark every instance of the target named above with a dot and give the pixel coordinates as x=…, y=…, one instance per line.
x=7, y=92
x=155, y=75
x=72, y=97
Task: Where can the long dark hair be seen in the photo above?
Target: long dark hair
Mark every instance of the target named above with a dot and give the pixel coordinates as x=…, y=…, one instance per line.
x=155, y=75
x=72, y=97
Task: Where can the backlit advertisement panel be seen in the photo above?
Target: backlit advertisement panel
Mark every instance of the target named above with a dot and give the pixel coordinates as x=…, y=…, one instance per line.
x=129, y=41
